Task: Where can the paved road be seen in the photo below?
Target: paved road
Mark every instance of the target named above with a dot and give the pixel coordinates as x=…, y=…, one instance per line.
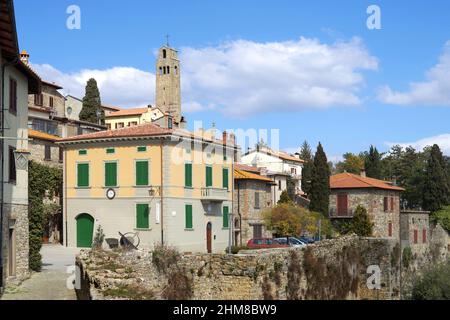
x=50, y=283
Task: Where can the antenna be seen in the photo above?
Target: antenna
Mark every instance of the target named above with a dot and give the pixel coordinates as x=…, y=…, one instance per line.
x=167, y=39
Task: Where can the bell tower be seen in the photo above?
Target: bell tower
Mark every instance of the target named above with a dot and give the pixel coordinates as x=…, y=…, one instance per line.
x=168, y=95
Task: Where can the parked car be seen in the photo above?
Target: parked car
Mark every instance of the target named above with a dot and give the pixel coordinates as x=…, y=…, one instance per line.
x=306, y=239
x=264, y=243
x=291, y=241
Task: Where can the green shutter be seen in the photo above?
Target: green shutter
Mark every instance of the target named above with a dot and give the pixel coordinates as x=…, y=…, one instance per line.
x=209, y=181
x=142, y=216
x=111, y=174
x=142, y=173
x=188, y=175
x=189, y=224
x=83, y=175
x=225, y=178
x=142, y=149
x=225, y=217
x=110, y=150
x=82, y=152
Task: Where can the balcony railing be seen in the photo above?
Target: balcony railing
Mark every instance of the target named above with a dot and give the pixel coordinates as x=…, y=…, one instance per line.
x=214, y=194
x=341, y=213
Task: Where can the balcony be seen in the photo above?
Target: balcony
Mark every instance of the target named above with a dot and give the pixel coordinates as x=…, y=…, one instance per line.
x=214, y=194
x=341, y=213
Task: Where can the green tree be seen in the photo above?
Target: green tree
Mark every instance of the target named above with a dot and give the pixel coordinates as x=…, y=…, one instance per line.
x=307, y=156
x=434, y=284
x=373, y=163
x=285, y=198
x=435, y=186
x=352, y=164
x=442, y=217
x=361, y=224
x=92, y=104
x=320, y=183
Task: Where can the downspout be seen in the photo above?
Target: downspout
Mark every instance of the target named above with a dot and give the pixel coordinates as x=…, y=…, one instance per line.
x=66, y=239
x=162, y=193
x=2, y=175
x=239, y=212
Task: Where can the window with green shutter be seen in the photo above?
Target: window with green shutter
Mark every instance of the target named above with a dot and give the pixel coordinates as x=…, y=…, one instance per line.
x=188, y=175
x=142, y=149
x=209, y=180
x=142, y=173
x=111, y=174
x=83, y=175
x=82, y=152
x=188, y=212
x=110, y=150
x=142, y=216
x=225, y=178
x=225, y=217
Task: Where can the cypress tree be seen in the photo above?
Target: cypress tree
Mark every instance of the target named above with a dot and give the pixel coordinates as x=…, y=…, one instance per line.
x=373, y=163
x=306, y=155
x=435, y=187
x=320, y=183
x=92, y=103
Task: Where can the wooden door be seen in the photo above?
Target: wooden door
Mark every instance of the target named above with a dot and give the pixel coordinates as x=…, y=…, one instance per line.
x=342, y=205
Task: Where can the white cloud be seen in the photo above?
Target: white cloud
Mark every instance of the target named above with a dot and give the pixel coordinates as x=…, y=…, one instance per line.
x=435, y=91
x=119, y=86
x=241, y=78
x=443, y=141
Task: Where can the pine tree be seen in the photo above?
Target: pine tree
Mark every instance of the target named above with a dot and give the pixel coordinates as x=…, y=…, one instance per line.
x=435, y=186
x=320, y=183
x=361, y=224
x=92, y=103
x=285, y=198
x=306, y=155
x=373, y=163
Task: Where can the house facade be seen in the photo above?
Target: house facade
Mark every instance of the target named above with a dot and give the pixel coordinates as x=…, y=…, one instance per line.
x=252, y=196
x=132, y=117
x=380, y=198
x=18, y=81
x=279, y=166
x=159, y=184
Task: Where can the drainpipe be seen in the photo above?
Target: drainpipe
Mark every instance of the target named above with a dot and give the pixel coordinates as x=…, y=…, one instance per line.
x=239, y=212
x=162, y=193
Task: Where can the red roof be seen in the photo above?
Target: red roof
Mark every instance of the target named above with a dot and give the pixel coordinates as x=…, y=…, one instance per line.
x=147, y=129
x=352, y=181
x=244, y=167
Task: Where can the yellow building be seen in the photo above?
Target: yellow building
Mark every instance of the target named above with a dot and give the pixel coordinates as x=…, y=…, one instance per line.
x=132, y=117
x=166, y=185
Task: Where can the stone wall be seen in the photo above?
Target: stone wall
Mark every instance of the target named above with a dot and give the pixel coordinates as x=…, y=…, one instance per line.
x=245, y=210
x=331, y=269
x=373, y=201
x=37, y=149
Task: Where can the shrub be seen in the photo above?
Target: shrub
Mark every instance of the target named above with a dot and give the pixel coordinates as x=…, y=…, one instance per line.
x=407, y=257
x=163, y=257
x=360, y=224
x=179, y=286
x=442, y=217
x=236, y=249
x=434, y=285
x=98, y=238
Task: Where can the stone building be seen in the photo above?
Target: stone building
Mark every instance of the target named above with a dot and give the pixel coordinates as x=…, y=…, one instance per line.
x=251, y=196
x=44, y=149
x=380, y=198
x=168, y=79
x=18, y=81
x=415, y=229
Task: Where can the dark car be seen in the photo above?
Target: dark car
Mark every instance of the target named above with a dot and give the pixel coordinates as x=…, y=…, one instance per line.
x=308, y=240
x=264, y=243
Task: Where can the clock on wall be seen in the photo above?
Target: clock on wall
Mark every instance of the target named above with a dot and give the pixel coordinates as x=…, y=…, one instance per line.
x=110, y=194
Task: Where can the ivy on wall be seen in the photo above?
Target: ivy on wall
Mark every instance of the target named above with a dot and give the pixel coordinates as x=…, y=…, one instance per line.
x=44, y=183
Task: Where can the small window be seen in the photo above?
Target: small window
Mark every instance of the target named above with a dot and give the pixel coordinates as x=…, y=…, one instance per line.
x=160, y=70
x=188, y=217
x=424, y=235
x=38, y=100
x=176, y=70
x=257, y=231
x=385, y=204
x=142, y=216
x=48, y=153
x=12, y=96
x=168, y=70
x=12, y=165
x=209, y=177
x=390, y=229
x=164, y=53
x=225, y=217
x=169, y=123
x=392, y=204
x=61, y=154
x=50, y=102
x=257, y=206
x=279, y=185
x=416, y=236
x=110, y=150
x=142, y=149
x=82, y=152
x=83, y=175
x=142, y=173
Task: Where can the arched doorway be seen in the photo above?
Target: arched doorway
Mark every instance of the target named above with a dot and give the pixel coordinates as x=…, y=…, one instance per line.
x=85, y=230
x=209, y=237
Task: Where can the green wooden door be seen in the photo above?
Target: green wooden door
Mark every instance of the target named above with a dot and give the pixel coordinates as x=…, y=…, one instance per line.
x=85, y=231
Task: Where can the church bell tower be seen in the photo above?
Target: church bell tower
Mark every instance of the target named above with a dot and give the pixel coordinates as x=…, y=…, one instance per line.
x=168, y=95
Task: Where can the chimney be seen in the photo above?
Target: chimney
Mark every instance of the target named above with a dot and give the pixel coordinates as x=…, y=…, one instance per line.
x=25, y=57
x=297, y=155
x=363, y=173
x=224, y=137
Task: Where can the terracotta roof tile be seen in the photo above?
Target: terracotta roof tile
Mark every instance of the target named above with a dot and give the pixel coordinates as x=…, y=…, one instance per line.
x=244, y=167
x=353, y=181
x=244, y=175
x=128, y=112
x=42, y=135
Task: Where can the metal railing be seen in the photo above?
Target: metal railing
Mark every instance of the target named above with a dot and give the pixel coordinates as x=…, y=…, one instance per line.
x=217, y=194
x=334, y=213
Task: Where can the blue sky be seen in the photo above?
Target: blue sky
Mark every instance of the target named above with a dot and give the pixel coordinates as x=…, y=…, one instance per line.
x=365, y=78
